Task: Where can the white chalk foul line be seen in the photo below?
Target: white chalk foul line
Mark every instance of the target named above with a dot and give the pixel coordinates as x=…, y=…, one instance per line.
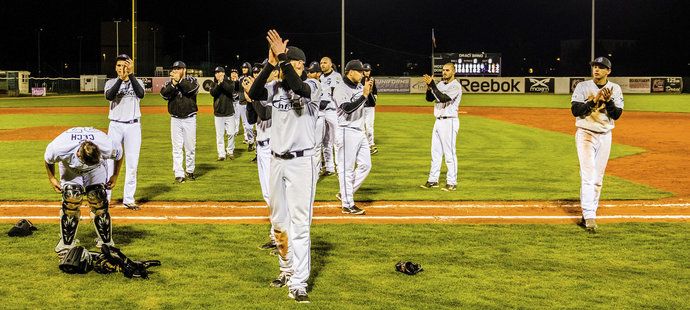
x=384, y=206
x=367, y=217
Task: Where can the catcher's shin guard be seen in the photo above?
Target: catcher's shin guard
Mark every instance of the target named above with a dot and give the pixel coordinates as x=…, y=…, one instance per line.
x=77, y=260
x=72, y=196
x=98, y=201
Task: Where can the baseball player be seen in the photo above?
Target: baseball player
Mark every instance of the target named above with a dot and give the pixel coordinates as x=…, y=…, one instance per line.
x=241, y=108
x=294, y=165
x=596, y=103
x=124, y=94
x=369, y=109
x=446, y=94
x=352, y=147
x=81, y=154
x=259, y=113
x=180, y=92
x=223, y=111
x=329, y=80
x=314, y=72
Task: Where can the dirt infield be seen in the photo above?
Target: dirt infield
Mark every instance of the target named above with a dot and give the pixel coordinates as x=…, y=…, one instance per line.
x=664, y=165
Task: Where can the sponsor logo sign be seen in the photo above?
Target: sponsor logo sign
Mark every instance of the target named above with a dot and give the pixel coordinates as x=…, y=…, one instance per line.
x=539, y=85
x=393, y=84
x=492, y=85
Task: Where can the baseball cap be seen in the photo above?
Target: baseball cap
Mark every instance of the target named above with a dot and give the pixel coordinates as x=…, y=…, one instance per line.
x=219, y=69
x=179, y=64
x=256, y=69
x=354, y=64
x=314, y=67
x=123, y=57
x=295, y=53
x=247, y=65
x=601, y=61
x=233, y=70
x=367, y=67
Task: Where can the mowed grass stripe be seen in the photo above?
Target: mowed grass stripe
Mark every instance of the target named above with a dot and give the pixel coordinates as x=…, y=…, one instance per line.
x=497, y=161
x=465, y=266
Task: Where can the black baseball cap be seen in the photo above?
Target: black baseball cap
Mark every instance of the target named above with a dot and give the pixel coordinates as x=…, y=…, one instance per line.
x=256, y=69
x=367, y=67
x=219, y=69
x=123, y=57
x=179, y=64
x=601, y=61
x=314, y=67
x=354, y=64
x=295, y=53
x=233, y=70
x=247, y=65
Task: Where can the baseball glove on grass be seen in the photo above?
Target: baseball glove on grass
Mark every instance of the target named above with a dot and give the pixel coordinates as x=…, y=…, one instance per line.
x=408, y=268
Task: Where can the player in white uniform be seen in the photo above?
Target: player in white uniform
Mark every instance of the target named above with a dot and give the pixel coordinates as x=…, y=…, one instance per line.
x=294, y=169
x=180, y=92
x=82, y=154
x=259, y=114
x=124, y=94
x=370, y=110
x=314, y=72
x=327, y=109
x=595, y=103
x=446, y=94
x=353, y=156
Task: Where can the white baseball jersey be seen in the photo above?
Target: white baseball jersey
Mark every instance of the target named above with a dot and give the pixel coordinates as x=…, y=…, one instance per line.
x=64, y=148
x=125, y=107
x=263, y=128
x=293, y=117
x=347, y=92
x=448, y=108
x=328, y=84
x=597, y=122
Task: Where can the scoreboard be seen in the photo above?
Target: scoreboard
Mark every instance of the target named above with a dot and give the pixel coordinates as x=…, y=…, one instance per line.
x=469, y=64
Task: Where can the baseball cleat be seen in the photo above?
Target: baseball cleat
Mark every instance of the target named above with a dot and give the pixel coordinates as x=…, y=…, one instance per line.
x=190, y=175
x=327, y=173
x=250, y=147
x=281, y=280
x=179, y=179
x=268, y=245
x=253, y=159
x=220, y=159
x=339, y=197
x=132, y=206
x=429, y=185
x=449, y=188
x=299, y=295
x=374, y=150
x=591, y=225
x=353, y=210
x=231, y=156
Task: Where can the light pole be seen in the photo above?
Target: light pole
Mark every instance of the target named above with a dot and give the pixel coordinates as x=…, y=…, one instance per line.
x=80, y=38
x=154, y=29
x=117, y=37
x=39, y=51
x=592, y=53
x=342, y=36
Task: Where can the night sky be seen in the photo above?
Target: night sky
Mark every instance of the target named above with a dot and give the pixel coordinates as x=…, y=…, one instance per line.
x=394, y=36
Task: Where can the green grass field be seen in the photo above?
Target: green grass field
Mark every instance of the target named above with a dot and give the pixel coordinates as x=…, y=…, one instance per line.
x=497, y=161
x=625, y=266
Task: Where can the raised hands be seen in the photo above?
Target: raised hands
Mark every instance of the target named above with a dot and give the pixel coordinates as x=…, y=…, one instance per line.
x=277, y=46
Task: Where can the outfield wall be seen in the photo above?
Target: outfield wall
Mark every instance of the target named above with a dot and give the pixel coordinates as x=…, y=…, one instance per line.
x=488, y=85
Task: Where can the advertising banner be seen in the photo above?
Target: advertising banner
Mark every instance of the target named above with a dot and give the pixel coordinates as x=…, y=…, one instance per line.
x=496, y=85
x=148, y=84
x=38, y=91
x=635, y=85
x=539, y=85
x=393, y=84
x=574, y=82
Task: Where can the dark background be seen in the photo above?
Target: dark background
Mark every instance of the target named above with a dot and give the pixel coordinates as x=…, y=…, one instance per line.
x=644, y=38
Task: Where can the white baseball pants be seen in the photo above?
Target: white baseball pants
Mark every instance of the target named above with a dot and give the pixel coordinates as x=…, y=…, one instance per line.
x=369, y=114
x=263, y=163
x=292, y=189
x=353, y=162
x=183, y=134
x=593, y=151
x=443, y=140
x=129, y=135
x=225, y=124
x=330, y=127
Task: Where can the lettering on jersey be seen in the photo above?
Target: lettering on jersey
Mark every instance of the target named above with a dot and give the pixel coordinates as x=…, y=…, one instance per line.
x=80, y=137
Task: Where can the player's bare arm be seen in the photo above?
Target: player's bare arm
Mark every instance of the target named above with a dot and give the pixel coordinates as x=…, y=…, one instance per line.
x=50, y=169
x=110, y=184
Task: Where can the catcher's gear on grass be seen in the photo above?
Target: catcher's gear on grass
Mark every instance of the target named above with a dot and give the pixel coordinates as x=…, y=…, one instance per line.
x=23, y=228
x=408, y=268
x=77, y=260
x=113, y=260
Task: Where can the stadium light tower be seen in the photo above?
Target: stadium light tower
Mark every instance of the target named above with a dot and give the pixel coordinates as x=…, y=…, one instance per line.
x=592, y=53
x=117, y=37
x=134, y=33
x=342, y=36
